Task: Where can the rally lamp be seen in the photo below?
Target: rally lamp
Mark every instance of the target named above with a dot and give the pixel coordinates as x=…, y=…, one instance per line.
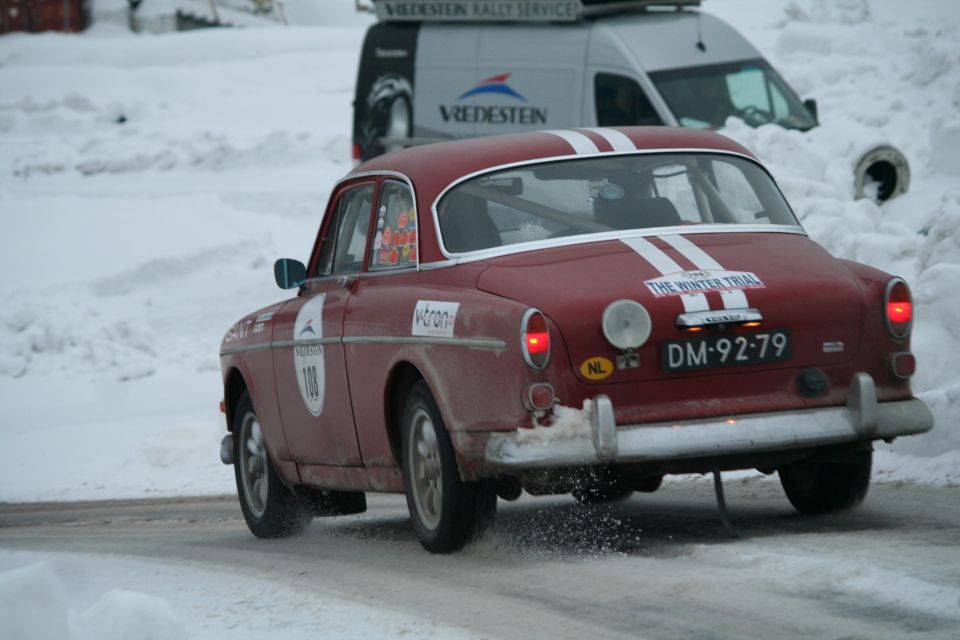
x=626, y=324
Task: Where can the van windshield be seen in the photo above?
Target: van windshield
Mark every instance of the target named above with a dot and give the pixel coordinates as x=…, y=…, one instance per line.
x=704, y=97
x=604, y=195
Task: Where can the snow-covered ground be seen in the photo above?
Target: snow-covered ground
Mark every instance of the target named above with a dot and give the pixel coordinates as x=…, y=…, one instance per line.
x=148, y=182
x=70, y=596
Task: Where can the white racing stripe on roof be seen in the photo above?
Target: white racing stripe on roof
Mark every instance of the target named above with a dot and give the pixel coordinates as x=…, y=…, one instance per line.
x=619, y=141
x=665, y=264
x=580, y=143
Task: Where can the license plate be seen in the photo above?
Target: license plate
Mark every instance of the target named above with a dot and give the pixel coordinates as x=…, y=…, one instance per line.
x=726, y=350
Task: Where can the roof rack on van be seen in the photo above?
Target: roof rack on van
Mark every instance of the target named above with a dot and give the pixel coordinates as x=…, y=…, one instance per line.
x=509, y=10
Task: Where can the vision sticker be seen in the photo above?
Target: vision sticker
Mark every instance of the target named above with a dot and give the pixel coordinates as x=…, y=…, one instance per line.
x=596, y=368
x=435, y=319
x=676, y=284
x=308, y=355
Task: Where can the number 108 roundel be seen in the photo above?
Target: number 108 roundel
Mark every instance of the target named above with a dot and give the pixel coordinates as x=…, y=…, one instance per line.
x=575, y=311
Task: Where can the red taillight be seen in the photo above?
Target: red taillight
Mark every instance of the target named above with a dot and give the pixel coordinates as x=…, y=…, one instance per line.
x=356, y=153
x=538, y=342
x=899, y=308
x=535, y=339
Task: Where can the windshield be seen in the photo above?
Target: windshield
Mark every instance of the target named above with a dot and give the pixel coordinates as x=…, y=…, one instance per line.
x=600, y=195
x=704, y=97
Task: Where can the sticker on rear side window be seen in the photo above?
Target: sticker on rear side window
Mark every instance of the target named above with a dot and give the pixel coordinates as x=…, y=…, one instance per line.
x=308, y=360
x=435, y=319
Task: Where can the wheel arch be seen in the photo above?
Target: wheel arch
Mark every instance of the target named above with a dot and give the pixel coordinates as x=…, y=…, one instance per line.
x=401, y=379
x=234, y=387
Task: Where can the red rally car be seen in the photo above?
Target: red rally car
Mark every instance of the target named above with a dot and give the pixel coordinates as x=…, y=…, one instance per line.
x=562, y=311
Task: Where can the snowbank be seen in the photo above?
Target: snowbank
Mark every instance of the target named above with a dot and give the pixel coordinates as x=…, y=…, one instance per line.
x=147, y=183
x=34, y=606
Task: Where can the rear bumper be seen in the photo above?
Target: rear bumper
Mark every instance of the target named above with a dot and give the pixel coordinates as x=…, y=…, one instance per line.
x=603, y=442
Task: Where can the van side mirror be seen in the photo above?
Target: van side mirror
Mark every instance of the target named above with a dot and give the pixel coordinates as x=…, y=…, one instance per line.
x=811, y=106
x=289, y=273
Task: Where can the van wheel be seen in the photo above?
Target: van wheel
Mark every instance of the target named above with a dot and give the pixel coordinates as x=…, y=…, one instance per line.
x=820, y=487
x=447, y=513
x=270, y=509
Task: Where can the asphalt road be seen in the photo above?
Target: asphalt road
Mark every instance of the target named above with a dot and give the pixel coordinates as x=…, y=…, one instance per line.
x=652, y=566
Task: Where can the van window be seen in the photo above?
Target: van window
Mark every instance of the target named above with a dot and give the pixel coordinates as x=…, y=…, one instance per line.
x=621, y=102
x=704, y=97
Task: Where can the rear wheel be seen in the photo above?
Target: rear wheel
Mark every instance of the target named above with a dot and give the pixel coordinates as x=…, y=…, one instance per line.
x=818, y=487
x=269, y=507
x=447, y=513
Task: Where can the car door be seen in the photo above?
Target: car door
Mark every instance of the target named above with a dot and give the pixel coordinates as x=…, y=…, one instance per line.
x=308, y=338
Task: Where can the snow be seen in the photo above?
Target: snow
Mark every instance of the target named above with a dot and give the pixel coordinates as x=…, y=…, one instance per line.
x=148, y=182
x=70, y=596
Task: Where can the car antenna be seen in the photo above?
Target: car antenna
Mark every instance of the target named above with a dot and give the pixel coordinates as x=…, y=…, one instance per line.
x=722, y=503
x=700, y=44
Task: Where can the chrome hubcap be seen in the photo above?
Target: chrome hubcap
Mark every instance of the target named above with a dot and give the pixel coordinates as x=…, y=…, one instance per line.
x=426, y=474
x=253, y=464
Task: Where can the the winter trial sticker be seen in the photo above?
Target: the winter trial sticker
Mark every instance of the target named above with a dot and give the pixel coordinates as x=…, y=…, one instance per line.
x=698, y=281
x=308, y=354
x=435, y=319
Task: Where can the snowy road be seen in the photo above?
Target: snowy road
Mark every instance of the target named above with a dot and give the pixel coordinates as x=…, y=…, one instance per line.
x=654, y=566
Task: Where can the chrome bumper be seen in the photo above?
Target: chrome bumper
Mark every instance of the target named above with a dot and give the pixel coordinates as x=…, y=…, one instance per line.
x=863, y=418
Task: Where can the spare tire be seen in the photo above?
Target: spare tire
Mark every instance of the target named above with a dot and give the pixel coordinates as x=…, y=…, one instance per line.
x=881, y=173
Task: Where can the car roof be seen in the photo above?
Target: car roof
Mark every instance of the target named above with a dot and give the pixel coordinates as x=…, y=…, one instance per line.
x=433, y=167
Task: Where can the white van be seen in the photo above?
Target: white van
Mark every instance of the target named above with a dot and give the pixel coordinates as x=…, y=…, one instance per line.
x=438, y=69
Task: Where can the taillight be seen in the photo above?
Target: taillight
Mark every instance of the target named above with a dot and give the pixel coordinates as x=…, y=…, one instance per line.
x=535, y=339
x=356, y=153
x=899, y=308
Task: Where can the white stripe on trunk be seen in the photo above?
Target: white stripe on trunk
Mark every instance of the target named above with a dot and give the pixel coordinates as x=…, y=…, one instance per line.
x=733, y=299
x=692, y=252
x=665, y=264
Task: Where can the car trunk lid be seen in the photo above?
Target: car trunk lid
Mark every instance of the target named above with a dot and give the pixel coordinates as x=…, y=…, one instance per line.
x=798, y=288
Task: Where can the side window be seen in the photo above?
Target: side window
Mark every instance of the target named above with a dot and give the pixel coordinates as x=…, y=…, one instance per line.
x=395, y=236
x=621, y=102
x=343, y=246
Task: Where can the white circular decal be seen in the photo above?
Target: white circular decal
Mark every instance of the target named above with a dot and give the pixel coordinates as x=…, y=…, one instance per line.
x=308, y=354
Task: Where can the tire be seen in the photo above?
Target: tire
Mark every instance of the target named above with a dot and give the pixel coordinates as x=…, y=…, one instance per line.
x=447, y=513
x=887, y=168
x=269, y=507
x=821, y=487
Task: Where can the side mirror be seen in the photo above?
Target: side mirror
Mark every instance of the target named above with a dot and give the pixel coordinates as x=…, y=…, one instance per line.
x=811, y=106
x=289, y=273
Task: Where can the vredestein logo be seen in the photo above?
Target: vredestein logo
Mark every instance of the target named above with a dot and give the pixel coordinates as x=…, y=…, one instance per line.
x=493, y=114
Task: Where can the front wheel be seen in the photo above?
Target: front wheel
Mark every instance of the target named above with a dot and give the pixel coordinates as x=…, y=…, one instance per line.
x=270, y=509
x=819, y=487
x=447, y=513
